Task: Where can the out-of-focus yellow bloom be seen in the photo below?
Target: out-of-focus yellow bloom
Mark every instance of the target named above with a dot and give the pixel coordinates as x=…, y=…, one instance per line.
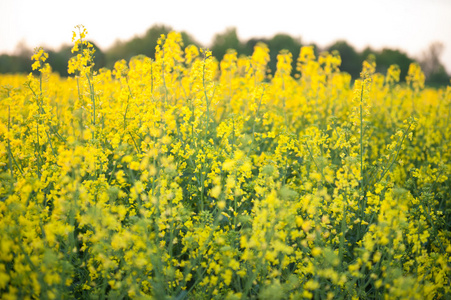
x=185, y=176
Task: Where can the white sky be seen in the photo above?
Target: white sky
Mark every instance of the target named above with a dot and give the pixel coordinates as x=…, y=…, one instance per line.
x=408, y=25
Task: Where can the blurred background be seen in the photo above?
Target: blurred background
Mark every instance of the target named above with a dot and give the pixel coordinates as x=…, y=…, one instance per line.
x=394, y=31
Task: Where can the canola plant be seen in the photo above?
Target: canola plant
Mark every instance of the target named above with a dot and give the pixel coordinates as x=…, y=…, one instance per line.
x=182, y=177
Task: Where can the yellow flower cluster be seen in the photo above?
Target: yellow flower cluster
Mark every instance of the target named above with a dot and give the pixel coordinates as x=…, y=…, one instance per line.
x=184, y=177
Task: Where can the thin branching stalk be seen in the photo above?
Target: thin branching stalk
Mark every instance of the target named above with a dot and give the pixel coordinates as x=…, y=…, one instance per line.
x=10, y=165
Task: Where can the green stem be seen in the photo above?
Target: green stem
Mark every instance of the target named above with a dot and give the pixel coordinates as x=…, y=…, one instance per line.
x=207, y=101
x=253, y=121
x=93, y=99
x=9, y=145
x=397, y=153
x=361, y=138
x=50, y=143
x=343, y=230
x=164, y=80
x=362, y=175
x=38, y=151
x=311, y=156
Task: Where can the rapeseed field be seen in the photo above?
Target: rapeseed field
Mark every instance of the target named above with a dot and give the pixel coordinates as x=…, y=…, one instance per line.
x=185, y=177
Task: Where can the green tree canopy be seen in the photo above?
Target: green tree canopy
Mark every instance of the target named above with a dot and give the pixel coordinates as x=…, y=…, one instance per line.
x=228, y=39
x=144, y=45
x=351, y=62
x=224, y=41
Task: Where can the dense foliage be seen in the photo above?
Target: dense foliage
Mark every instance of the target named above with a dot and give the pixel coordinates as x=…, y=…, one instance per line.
x=184, y=177
x=352, y=59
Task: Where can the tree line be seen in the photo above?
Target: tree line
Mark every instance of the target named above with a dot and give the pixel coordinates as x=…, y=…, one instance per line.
x=352, y=59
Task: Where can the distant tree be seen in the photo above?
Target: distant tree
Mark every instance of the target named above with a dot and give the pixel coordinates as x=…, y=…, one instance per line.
x=316, y=49
x=99, y=57
x=6, y=63
x=138, y=45
x=249, y=45
x=144, y=45
x=432, y=67
x=388, y=57
x=365, y=53
x=19, y=62
x=280, y=42
x=58, y=60
x=351, y=61
x=430, y=59
x=188, y=39
x=15, y=64
x=224, y=41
